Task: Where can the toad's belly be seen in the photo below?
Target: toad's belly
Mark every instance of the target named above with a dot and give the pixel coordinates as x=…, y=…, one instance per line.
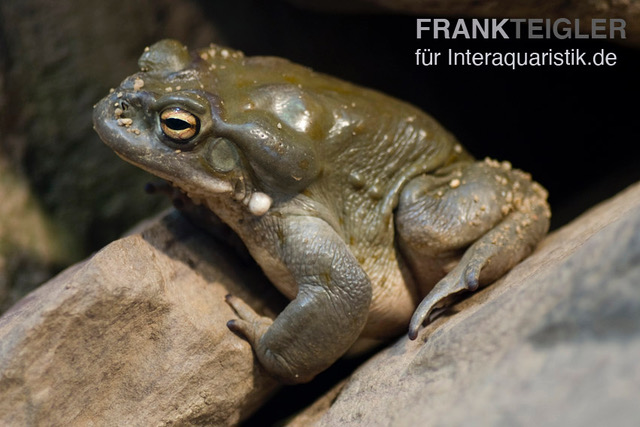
x=394, y=294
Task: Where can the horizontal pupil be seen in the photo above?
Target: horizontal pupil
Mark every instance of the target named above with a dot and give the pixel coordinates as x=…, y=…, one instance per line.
x=177, y=124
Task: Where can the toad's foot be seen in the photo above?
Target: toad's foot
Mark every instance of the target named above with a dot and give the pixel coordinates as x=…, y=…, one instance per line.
x=462, y=278
x=250, y=325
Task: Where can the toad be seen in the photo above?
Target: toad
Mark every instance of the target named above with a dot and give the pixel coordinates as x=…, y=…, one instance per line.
x=360, y=208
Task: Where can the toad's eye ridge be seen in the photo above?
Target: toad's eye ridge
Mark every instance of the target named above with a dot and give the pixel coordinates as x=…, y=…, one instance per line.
x=179, y=125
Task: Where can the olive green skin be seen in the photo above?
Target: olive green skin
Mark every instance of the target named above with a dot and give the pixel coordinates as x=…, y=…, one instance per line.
x=356, y=205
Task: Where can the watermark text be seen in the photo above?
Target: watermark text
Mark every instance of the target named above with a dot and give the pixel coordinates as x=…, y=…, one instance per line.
x=519, y=28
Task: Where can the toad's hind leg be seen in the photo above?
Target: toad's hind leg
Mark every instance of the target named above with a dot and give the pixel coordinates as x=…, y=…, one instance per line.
x=466, y=226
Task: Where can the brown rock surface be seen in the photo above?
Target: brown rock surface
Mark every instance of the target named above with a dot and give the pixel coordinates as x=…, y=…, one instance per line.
x=135, y=335
x=555, y=342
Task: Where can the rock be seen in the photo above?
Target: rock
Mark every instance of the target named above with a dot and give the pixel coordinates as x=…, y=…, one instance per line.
x=554, y=342
x=136, y=335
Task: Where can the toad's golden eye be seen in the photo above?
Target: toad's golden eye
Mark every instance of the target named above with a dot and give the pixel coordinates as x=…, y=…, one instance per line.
x=178, y=124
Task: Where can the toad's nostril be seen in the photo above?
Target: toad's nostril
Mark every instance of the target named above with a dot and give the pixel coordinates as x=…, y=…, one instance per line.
x=124, y=105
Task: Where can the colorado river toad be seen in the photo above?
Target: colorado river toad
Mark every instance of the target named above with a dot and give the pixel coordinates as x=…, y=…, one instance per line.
x=356, y=205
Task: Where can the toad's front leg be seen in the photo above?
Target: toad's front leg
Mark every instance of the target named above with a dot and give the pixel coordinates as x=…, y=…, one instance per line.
x=328, y=313
x=470, y=223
